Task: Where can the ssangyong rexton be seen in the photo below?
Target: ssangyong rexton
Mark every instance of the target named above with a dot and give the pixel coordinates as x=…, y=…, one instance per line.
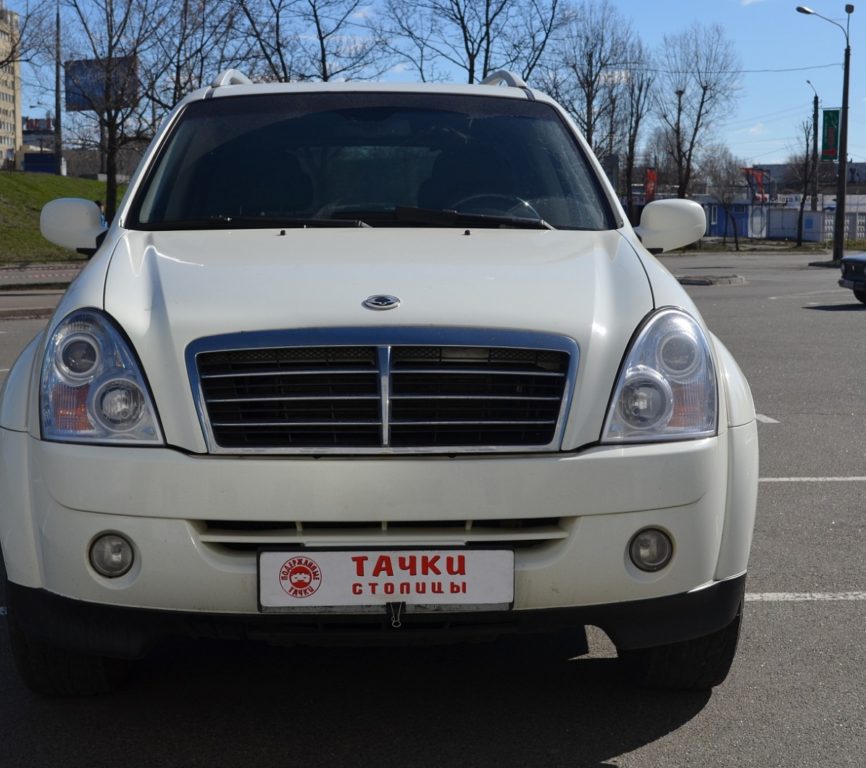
x=384, y=360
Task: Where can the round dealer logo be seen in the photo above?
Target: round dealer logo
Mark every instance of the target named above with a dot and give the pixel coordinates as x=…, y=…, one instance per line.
x=300, y=577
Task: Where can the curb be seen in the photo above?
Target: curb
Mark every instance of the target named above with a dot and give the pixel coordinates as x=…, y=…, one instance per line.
x=711, y=280
x=26, y=313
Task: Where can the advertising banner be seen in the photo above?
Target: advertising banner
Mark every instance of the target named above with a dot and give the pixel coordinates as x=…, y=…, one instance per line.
x=830, y=135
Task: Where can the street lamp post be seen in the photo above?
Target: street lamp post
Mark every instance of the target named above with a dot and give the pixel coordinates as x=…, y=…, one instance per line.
x=842, y=180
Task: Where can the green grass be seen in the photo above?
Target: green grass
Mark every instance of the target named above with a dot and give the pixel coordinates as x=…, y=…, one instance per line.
x=22, y=196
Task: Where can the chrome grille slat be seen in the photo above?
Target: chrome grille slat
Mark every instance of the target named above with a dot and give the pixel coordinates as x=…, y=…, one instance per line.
x=468, y=423
x=291, y=399
x=247, y=424
x=389, y=397
x=284, y=372
x=476, y=397
x=472, y=371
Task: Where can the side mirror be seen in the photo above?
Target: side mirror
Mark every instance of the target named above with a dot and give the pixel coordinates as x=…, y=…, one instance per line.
x=74, y=223
x=669, y=224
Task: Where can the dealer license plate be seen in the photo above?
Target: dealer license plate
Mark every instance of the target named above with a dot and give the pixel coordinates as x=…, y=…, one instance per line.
x=353, y=580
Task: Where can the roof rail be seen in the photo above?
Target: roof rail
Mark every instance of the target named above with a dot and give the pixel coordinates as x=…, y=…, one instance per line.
x=504, y=77
x=230, y=77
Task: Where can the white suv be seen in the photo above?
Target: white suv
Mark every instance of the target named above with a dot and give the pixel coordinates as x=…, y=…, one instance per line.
x=380, y=361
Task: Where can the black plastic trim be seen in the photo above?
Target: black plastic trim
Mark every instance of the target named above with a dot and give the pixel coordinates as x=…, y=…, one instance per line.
x=130, y=632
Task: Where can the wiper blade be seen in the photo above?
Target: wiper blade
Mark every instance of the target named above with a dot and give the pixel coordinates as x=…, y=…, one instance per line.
x=293, y=222
x=222, y=221
x=450, y=217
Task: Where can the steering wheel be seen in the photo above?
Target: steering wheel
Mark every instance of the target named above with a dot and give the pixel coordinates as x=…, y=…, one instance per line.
x=492, y=203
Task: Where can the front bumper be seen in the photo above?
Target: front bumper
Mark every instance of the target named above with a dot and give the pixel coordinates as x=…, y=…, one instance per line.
x=854, y=285
x=196, y=522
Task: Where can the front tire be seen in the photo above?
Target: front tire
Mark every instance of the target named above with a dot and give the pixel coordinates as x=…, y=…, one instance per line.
x=50, y=670
x=860, y=296
x=697, y=665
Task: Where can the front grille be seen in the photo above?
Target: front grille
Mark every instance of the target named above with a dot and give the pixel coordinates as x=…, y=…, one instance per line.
x=853, y=268
x=250, y=536
x=383, y=398
x=293, y=398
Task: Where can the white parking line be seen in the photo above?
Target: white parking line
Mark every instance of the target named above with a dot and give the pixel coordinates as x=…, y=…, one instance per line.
x=852, y=479
x=804, y=597
x=806, y=295
x=765, y=419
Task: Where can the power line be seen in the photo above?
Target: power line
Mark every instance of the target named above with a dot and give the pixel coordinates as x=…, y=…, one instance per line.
x=637, y=67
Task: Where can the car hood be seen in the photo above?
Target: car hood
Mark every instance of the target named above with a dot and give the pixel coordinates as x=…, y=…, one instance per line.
x=167, y=289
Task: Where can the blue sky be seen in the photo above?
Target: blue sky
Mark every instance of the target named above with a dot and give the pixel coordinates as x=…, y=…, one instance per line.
x=779, y=50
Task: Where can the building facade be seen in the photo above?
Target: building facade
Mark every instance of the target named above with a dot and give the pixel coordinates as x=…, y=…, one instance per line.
x=10, y=89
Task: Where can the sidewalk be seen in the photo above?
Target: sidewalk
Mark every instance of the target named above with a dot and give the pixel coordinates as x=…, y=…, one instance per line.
x=32, y=291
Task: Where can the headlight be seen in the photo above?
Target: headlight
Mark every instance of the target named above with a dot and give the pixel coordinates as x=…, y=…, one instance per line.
x=92, y=388
x=667, y=386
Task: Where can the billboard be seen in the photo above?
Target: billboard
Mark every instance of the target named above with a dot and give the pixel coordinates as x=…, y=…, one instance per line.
x=97, y=85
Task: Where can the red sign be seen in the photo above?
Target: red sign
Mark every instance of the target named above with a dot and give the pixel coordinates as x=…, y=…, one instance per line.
x=650, y=185
x=343, y=579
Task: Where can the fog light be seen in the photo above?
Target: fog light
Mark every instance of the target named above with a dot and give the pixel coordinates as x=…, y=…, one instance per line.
x=111, y=555
x=651, y=549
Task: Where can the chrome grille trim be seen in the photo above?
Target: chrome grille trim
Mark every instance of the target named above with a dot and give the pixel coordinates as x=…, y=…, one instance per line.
x=384, y=358
x=379, y=375
x=251, y=536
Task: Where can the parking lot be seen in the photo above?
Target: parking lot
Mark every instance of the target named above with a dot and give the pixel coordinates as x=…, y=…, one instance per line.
x=796, y=695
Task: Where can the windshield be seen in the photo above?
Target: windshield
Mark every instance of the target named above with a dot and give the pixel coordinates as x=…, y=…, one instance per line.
x=369, y=159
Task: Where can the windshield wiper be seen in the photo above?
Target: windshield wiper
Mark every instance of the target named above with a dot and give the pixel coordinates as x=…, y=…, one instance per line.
x=222, y=221
x=448, y=217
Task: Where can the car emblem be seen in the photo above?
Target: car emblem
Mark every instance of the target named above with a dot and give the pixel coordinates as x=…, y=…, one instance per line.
x=381, y=301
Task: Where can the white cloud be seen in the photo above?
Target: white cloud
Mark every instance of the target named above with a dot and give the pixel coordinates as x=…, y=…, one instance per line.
x=364, y=13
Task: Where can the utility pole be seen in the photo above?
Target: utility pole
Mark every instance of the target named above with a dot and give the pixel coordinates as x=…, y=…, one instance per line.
x=58, y=107
x=814, y=182
x=681, y=186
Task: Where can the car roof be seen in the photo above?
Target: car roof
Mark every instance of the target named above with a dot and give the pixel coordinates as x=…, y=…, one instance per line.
x=501, y=84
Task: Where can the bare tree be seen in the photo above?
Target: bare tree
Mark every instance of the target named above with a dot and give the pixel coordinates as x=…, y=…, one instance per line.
x=197, y=39
x=114, y=35
x=476, y=37
x=804, y=170
x=312, y=39
x=636, y=107
x=408, y=35
x=724, y=176
x=589, y=70
x=698, y=84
